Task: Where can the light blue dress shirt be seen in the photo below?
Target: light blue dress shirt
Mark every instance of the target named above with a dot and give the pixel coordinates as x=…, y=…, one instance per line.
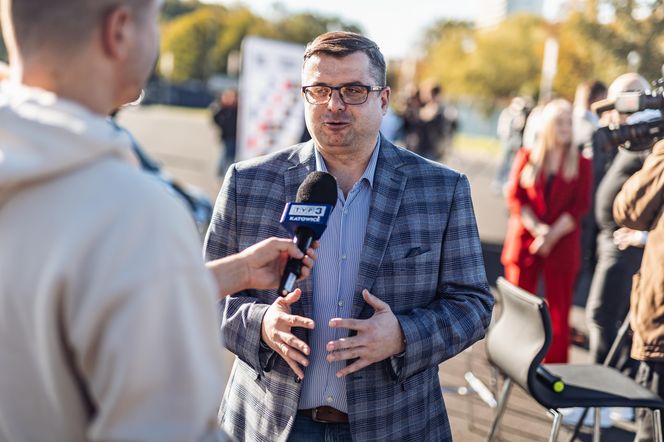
x=334, y=279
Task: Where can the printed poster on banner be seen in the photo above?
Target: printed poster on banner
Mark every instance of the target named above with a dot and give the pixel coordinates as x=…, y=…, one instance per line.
x=270, y=109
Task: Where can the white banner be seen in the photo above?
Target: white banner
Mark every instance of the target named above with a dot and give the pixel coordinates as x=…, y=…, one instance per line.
x=270, y=109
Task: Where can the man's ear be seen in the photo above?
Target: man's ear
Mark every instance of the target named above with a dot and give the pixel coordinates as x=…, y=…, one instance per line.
x=116, y=32
x=385, y=98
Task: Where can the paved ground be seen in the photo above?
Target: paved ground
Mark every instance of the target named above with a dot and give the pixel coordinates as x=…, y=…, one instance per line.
x=186, y=143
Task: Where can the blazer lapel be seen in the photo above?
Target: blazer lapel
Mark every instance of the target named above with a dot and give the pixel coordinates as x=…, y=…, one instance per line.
x=388, y=187
x=304, y=162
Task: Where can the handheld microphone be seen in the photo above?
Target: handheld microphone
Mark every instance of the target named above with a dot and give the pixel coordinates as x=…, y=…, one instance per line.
x=306, y=219
x=551, y=380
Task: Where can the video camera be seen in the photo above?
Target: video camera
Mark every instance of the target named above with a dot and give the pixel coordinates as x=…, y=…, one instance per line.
x=637, y=136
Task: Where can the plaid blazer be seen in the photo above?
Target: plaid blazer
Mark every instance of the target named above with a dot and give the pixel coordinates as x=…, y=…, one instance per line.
x=421, y=255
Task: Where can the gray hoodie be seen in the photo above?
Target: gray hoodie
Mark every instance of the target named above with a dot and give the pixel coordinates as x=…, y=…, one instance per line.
x=107, y=314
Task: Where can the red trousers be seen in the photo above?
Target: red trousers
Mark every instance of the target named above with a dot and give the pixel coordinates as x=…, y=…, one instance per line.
x=558, y=290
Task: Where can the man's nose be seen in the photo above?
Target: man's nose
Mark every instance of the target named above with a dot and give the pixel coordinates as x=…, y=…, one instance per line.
x=336, y=103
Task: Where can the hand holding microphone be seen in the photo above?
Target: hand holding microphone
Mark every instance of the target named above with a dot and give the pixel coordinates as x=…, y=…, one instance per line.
x=306, y=219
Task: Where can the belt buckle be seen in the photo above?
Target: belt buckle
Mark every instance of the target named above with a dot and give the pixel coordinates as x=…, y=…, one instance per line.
x=314, y=417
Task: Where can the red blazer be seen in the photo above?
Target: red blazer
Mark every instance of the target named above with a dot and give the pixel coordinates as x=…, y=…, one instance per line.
x=572, y=197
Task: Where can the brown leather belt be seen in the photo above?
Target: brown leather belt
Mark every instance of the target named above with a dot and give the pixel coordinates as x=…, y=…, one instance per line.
x=325, y=415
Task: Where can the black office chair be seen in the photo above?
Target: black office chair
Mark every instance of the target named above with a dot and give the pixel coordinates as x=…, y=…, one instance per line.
x=516, y=345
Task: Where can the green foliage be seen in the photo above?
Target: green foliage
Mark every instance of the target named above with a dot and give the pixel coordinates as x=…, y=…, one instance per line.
x=506, y=60
x=200, y=38
x=175, y=8
x=189, y=39
x=302, y=28
x=488, y=64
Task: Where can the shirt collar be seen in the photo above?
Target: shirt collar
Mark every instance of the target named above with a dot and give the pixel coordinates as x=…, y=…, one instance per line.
x=369, y=172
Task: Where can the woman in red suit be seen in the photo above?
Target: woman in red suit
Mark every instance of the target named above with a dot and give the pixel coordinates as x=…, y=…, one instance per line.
x=547, y=194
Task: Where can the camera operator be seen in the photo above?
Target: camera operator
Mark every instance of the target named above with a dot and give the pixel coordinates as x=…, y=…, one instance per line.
x=608, y=298
x=639, y=206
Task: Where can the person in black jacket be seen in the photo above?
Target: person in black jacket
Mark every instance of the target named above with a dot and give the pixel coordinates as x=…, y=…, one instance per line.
x=224, y=114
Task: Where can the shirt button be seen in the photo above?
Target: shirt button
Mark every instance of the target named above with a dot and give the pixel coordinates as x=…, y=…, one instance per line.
x=340, y=303
x=343, y=256
x=345, y=211
x=329, y=399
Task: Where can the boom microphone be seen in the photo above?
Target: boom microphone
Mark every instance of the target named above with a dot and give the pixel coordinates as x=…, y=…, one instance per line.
x=306, y=219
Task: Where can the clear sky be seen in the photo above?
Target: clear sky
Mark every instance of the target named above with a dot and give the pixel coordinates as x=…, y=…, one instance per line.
x=396, y=25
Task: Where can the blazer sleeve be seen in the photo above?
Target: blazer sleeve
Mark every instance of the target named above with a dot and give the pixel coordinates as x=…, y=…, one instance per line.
x=461, y=310
x=641, y=198
x=241, y=314
x=515, y=194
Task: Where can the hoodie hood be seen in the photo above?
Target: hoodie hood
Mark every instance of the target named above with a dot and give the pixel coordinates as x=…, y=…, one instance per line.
x=43, y=136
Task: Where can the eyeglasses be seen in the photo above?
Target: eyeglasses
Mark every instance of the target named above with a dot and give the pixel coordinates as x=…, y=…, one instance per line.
x=351, y=94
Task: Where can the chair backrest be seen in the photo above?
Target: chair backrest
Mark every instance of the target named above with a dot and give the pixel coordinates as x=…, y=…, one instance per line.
x=517, y=342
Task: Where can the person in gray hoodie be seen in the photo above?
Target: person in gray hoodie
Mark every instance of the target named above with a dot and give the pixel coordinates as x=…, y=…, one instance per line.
x=108, y=322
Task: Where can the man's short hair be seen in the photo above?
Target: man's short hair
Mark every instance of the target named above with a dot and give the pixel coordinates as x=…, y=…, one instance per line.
x=62, y=24
x=340, y=44
x=598, y=91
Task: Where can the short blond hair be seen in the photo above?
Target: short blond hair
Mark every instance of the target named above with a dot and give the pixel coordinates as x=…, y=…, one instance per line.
x=48, y=24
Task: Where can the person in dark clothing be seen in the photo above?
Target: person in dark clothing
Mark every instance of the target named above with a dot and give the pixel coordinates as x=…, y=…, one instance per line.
x=608, y=300
x=602, y=157
x=432, y=123
x=225, y=117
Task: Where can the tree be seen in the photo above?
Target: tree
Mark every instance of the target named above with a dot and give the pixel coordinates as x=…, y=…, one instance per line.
x=175, y=8
x=199, y=42
x=304, y=27
x=188, y=41
x=486, y=64
x=506, y=60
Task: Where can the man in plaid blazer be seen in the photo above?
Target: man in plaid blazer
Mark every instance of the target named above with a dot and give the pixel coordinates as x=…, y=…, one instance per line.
x=399, y=285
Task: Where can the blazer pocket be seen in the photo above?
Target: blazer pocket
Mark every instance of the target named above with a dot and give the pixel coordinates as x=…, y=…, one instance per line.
x=415, y=251
x=421, y=263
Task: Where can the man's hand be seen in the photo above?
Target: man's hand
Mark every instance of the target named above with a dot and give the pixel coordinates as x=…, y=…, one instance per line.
x=267, y=259
x=276, y=332
x=378, y=337
x=259, y=266
x=625, y=237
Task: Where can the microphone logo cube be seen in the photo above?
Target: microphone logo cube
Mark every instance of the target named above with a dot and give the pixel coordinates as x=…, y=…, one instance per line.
x=312, y=216
x=299, y=209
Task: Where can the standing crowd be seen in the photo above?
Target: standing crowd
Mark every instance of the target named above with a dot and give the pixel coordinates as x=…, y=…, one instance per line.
x=566, y=196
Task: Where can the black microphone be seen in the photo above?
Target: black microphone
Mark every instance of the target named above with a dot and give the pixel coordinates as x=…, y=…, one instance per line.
x=306, y=219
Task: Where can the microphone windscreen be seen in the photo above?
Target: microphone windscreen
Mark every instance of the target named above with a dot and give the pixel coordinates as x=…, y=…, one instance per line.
x=318, y=188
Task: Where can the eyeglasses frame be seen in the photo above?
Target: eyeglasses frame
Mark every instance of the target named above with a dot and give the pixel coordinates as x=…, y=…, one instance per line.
x=368, y=88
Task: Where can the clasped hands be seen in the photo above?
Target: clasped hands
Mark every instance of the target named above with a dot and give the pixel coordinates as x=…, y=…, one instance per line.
x=543, y=242
x=378, y=337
